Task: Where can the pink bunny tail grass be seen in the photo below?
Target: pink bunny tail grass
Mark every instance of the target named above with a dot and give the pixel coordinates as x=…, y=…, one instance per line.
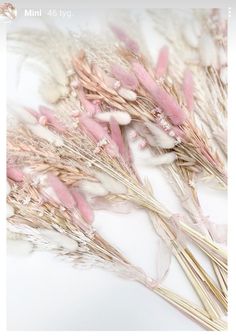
x=34, y=113
x=162, y=62
x=52, y=119
x=94, y=129
x=118, y=139
x=83, y=206
x=188, y=88
x=126, y=78
x=14, y=174
x=161, y=97
x=61, y=191
x=130, y=44
x=89, y=107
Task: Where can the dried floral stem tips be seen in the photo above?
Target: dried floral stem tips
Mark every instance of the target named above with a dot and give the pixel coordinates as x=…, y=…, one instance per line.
x=19, y=248
x=61, y=191
x=83, y=206
x=122, y=118
x=160, y=96
x=51, y=118
x=98, y=133
x=59, y=239
x=127, y=94
x=52, y=92
x=92, y=188
x=110, y=184
x=125, y=77
x=89, y=107
x=118, y=139
x=44, y=133
x=162, y=62
x=129, y=43
x=161, y=160
x=162, y=139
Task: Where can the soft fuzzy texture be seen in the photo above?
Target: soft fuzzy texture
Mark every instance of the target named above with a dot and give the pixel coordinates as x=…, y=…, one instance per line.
x=83, y=206
x=126, y=78
x=110, y=184
x=130, y=44
x=127, y=94
x=61, y=191
x=99, y=133
x=117, y=137
x=44, y=133
x=164, y=159
x=92, y=188
x=162, y=139
x=160, y=96
x=188, y=87
x=162, y=62
x=52, y=119
x=88, y=106
x=59, y=239
x=122, y=118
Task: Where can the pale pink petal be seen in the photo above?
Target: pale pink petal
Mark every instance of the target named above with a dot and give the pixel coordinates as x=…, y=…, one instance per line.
x=83, y=206
x=89, y=107
x=99, y=133
x=119, y=33
x=61, y=191
x=130, y=44
x=52, y=119
x=162, y=62
x=14, y=174
x=117, y=137
x=160, y=96
x=188, y=87
x=126, y=78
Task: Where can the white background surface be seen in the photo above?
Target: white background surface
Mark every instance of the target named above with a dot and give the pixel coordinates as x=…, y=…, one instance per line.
x=45, y=293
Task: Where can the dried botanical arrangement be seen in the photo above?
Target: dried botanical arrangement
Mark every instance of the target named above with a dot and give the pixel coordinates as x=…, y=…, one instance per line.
x=104, y=91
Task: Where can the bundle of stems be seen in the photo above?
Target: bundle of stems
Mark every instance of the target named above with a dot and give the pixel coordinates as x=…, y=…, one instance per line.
x=142, y=103
x=203, y=30
x=88, y=88
x=81, y=153
x=46, y=225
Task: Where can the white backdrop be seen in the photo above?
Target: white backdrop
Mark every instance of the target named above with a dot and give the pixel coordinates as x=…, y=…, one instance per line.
x=45, y=293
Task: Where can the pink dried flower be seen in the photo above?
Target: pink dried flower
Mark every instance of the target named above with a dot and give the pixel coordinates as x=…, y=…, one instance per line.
x=98, y=133
x=117, y=137
x=83, y=206
x=51, y=118
x=188, y=87
x=161, y=97
x=14, y=174
x=89, y=107
x=61, y=191
x=126, y=78
x=162, y=62
x=130, y=44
